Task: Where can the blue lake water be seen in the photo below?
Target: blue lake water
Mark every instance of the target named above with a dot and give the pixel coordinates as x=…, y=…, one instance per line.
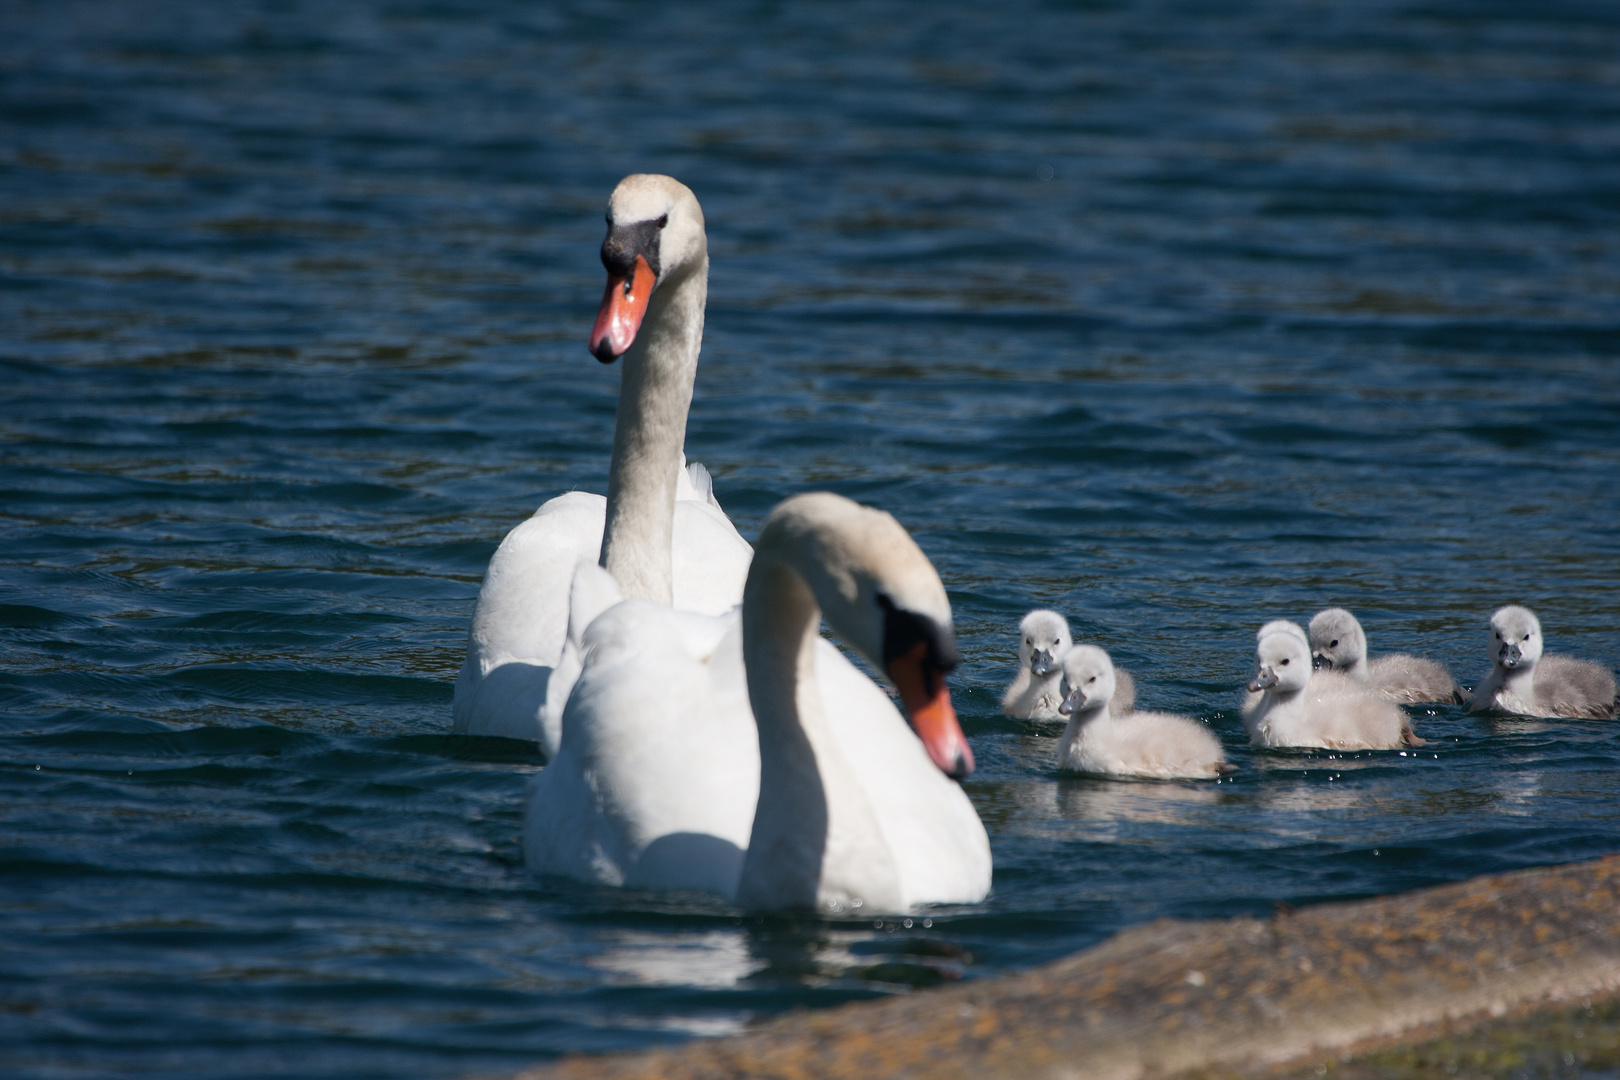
x=1175, y=316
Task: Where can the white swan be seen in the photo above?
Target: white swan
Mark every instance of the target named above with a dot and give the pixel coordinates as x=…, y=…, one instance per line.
x=1034, y=693
x=1297, y=707
x=745, y=756
x=1156, y=745
x=660, y=531
x=1338, y=643
x=1523, y=682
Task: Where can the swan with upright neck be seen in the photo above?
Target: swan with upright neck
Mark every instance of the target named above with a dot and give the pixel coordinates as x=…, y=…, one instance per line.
x=659, y=532
x=746, y=757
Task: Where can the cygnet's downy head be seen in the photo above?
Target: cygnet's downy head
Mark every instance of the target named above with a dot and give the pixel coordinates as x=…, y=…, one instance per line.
x=655, y=231
x=1043, y=638
x=1337, y=640
x=1088, y=679
x=1515, y=637
x=1282, y=660
x=1282, y=626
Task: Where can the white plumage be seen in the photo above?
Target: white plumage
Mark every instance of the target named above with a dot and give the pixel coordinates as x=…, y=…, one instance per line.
x=1289, y=705
x=746, y=756
x=1155, y=745
x=1033, y=694
x=669, y=540
x=1524, y=682
x=1338, y=643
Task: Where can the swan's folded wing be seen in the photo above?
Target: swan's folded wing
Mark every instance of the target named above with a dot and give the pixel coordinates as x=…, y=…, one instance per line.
x=657, y=775
x=593, y=592
x=522, y=610
x=520, y=621
x=507, y=702
x=938, y=842
x=694, y=484
x=711, y=559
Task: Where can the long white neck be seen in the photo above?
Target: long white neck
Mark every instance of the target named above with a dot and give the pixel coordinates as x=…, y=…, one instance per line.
x=648, y=435
x=816, y=840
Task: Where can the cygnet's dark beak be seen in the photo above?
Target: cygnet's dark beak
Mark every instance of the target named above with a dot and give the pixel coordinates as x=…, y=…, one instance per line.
x=1321, y=662
x=1075, y=700
x=1264, y=679
x=1510, y=655
x=1041, y=662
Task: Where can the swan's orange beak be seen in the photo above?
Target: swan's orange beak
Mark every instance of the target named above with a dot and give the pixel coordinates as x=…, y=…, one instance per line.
x=623, y=306
x=928, y=706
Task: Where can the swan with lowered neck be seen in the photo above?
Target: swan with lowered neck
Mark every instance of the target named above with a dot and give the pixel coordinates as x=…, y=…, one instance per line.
x=659, y=533
x=1524, y=682
x=748, y=758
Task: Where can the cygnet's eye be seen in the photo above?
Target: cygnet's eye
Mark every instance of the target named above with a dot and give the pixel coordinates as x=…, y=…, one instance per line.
x=1028, y=642
x=1285, y=661
x=1092, y=679
x=663, y=220
x=1499, y=635
x=1527, y=637
x=1054, y=641
x=1334, y=644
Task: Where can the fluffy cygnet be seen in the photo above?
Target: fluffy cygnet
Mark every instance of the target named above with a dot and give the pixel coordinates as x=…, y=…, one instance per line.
x=1252, y=698
x=1523, y=682
x=1298, y=707
x=1147, y=744
x=1043, y=638
x=1339, y=644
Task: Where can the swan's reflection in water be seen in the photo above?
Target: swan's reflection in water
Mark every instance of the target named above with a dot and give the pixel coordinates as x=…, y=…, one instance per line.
x=1155, y=802
x=1305, y=799
x=712, y=959
x=1517, y=793
x=894, y=950
x=1043, y=802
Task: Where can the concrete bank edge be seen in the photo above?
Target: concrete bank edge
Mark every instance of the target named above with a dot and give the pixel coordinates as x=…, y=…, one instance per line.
x=1174, y=996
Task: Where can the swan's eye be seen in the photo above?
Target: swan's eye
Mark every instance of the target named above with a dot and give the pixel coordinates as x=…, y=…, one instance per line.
x=1092, y=679
x=1527, y=637
x=1285, y=661
x=1334, y=644
x=662, y=221
x=1028, y=642
x=1054, y=641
